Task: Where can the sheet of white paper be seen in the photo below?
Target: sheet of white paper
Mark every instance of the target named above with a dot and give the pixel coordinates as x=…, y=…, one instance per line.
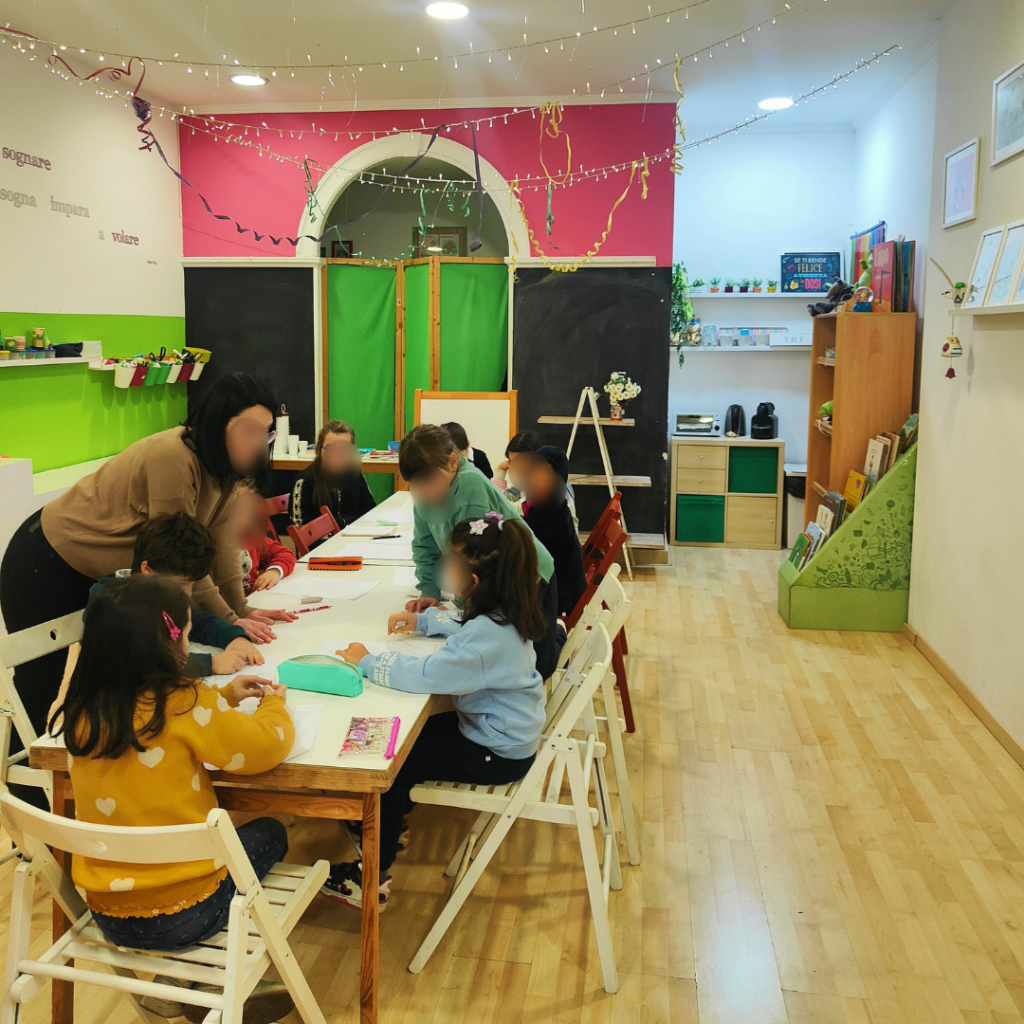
x=307, y=724
x=368, y=529
x=268, y=670
x=417, y=646
x=324, y=584
x=381, y=551
x=405, y=576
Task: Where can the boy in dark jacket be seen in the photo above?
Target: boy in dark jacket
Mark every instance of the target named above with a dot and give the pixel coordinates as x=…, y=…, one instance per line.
x=546, y=511
x=179, y=547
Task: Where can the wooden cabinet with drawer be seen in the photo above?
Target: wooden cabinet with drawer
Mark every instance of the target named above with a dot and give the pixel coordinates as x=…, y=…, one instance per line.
x=727, y=492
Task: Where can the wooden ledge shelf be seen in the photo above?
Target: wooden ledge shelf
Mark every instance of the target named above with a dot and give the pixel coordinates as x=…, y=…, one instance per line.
x=1008, y=310
x=599, y=480
x=605, y=421
x=825, y=361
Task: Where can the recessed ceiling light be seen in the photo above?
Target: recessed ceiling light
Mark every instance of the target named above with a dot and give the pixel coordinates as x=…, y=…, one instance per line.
x=777, y=103
x=248, y=80
x=447, y=11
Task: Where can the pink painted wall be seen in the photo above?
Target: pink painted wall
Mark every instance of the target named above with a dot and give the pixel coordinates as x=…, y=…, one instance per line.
x=268, y=195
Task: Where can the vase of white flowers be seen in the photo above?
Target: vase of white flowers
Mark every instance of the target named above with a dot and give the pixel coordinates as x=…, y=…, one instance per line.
x=620, y=390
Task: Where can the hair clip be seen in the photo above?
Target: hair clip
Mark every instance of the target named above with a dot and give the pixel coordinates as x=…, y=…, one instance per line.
x=496, y=517
x=171, y=627
x=477, y=527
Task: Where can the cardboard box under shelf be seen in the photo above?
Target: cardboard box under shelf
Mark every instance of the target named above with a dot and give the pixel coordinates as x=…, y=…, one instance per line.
x=860, y=579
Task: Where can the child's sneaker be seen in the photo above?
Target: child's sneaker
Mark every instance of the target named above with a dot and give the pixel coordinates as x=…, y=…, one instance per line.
x=354, y=831
x=345, y=884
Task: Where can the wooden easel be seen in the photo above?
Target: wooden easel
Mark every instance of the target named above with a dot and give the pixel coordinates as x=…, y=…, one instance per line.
x=588, y=395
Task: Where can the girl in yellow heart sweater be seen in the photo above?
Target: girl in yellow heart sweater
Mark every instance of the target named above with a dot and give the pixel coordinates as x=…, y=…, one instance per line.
x=138, y=734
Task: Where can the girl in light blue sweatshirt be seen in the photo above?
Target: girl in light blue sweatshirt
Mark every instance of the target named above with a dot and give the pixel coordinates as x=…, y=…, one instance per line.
x=487, y=665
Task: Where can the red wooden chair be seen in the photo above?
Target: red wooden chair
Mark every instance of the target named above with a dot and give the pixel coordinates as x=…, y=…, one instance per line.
x=276, y=507
x=306, y=537
x=613, y=510
x=596, y=564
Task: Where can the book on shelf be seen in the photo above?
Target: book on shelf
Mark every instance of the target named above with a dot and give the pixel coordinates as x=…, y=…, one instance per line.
x=894, y=447
x=815, y=536
x=834, y=501
x=800, y=545
x=825, y=518
x=893, y=265
x=856, y=488
x=877, y=456
x=883, y=273
x=908, y=433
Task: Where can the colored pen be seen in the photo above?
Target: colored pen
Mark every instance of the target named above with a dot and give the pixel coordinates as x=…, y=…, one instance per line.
x=387, y=536
x=318, y=608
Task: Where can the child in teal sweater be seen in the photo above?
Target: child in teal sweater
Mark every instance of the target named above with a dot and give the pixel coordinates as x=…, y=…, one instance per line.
x=447, y=490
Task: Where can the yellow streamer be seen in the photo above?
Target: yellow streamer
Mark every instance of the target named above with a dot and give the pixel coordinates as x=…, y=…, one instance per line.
x=552, y=112
x=676, y=164
x=571, y=268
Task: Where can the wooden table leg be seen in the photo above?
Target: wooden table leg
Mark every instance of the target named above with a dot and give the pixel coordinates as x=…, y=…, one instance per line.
x=371, y=911
x=62, y=993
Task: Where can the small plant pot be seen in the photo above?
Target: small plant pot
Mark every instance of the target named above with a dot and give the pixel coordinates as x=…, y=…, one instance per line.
x=744, y=288
x=755, y=289
x=617, y=410
x=714, y=289
x=771, y=288
x=728, y=288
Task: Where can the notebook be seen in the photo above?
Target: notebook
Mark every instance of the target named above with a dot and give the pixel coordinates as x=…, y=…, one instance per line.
x=371, y=737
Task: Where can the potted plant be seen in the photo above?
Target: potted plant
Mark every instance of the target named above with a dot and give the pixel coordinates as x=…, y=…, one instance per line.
x=620, y=390
x=745, y=285
x=697, y=287
x=756, y=284
x=714, y=282
x=730, y=284
x=772, y=285
x=681, y=312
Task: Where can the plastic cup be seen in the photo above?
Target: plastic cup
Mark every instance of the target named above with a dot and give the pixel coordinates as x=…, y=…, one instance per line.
x=139, y=376
x=123, y=374
x=197, y=371
x=165, y=369
x=172, y=373
x=152, y=375
x=293, y=444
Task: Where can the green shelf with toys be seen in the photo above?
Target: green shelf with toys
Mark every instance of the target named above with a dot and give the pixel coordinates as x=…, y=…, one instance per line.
x=860, y=577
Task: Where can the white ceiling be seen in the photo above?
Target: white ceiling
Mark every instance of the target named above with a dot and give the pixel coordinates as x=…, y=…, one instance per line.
x=804, y=49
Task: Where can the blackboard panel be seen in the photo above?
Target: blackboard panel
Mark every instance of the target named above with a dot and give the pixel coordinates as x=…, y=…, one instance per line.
x=571, y=330
x=258, y=320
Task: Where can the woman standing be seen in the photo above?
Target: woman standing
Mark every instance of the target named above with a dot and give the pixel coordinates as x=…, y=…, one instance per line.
x=89, y=531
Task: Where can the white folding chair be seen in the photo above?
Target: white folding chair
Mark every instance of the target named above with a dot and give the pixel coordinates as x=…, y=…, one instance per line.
x=611, y=597
x=501, y=806
x=261, y=917
x=16, y=649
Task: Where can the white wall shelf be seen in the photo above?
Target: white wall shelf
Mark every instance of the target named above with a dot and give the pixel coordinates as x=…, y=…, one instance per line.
x=746, y=348
x=10, y=364
x=1014, y=310
x=818, y=296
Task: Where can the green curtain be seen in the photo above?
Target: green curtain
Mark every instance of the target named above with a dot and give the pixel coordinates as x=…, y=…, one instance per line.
x=361, y=357
x=474, y=326
x=417, y=336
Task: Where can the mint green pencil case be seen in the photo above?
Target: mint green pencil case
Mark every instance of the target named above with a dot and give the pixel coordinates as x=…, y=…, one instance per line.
x=321, y=673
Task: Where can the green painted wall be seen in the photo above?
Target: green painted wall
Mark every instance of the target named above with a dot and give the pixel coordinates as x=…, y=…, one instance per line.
x=61, y=415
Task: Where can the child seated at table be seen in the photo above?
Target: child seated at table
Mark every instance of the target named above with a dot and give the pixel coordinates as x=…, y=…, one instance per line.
x=508, y=481
x=265, y=560
x=334, y=479
x=138, y=729
x=546, y=512
x=446, y=490
x=457, y=432
x=487, y=665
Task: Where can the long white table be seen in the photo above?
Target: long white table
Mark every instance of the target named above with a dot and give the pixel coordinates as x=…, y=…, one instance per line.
x=318, y=783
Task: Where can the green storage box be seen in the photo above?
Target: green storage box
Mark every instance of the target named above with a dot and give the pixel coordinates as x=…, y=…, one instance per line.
x=700, y=518
x=322, y=673
x=753, y=470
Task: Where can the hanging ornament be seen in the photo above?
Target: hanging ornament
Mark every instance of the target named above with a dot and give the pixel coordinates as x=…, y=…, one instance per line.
x=550, y=216
x=952, y=349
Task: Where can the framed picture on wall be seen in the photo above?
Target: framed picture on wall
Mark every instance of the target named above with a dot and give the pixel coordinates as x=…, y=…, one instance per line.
x=1008, y=114
x=1006, y=272
x=984, y=264
x=960, y=193
x=342, y=250
x=439, y=242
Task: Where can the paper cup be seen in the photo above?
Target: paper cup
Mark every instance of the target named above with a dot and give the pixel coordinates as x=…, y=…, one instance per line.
x=293, y=444
x=123, y=375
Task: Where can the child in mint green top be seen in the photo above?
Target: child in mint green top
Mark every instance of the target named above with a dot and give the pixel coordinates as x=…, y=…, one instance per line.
x=446, y=490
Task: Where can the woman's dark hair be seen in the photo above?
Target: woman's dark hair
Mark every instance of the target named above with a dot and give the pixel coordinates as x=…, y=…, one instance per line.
x=457, y=432
x=504, y=560
x=423, y=449
x=209, y=417
x=315, y=472
x=175, y=544
x=128, y=656
x=527, y=441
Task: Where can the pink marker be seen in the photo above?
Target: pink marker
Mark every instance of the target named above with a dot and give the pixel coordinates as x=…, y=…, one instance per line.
x=318, y=608
x=390, y=751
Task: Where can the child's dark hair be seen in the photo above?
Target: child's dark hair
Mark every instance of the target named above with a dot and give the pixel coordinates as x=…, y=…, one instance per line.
x=527, y=441
x=175, y=544
x=424, y=448
x=315, y=472
x=127, y=652
x=457, y=432
x=504, y=559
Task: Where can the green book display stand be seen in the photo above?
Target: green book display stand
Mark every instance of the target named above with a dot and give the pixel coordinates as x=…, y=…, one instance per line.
x=860, y=579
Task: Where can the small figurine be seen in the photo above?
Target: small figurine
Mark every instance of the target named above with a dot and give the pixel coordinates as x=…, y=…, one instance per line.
x=862, y=299
x=952, y=349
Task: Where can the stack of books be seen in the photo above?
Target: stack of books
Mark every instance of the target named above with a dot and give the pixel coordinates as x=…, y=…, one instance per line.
x=833, y=508
x=892, y=275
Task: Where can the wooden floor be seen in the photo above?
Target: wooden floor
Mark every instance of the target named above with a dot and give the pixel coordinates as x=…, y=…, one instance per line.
x=829, y=835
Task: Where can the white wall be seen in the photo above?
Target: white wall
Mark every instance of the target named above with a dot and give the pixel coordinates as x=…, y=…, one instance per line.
x=966, y=596
x=894, y=162
x=57, y=263
x=739, y=205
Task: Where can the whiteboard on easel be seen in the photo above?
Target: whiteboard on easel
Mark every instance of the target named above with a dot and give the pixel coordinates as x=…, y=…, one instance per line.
x=490, y=418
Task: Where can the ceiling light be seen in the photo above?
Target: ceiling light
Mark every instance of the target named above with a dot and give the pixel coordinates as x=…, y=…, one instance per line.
x=777, y=103
x=434, y=248
x=447, y=11
x=248, y=80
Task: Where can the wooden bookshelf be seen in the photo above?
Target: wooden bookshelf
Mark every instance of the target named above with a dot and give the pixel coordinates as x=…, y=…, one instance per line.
x=870, y=382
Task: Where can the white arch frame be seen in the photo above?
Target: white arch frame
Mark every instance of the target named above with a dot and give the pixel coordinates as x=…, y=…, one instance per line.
x=407, y=146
